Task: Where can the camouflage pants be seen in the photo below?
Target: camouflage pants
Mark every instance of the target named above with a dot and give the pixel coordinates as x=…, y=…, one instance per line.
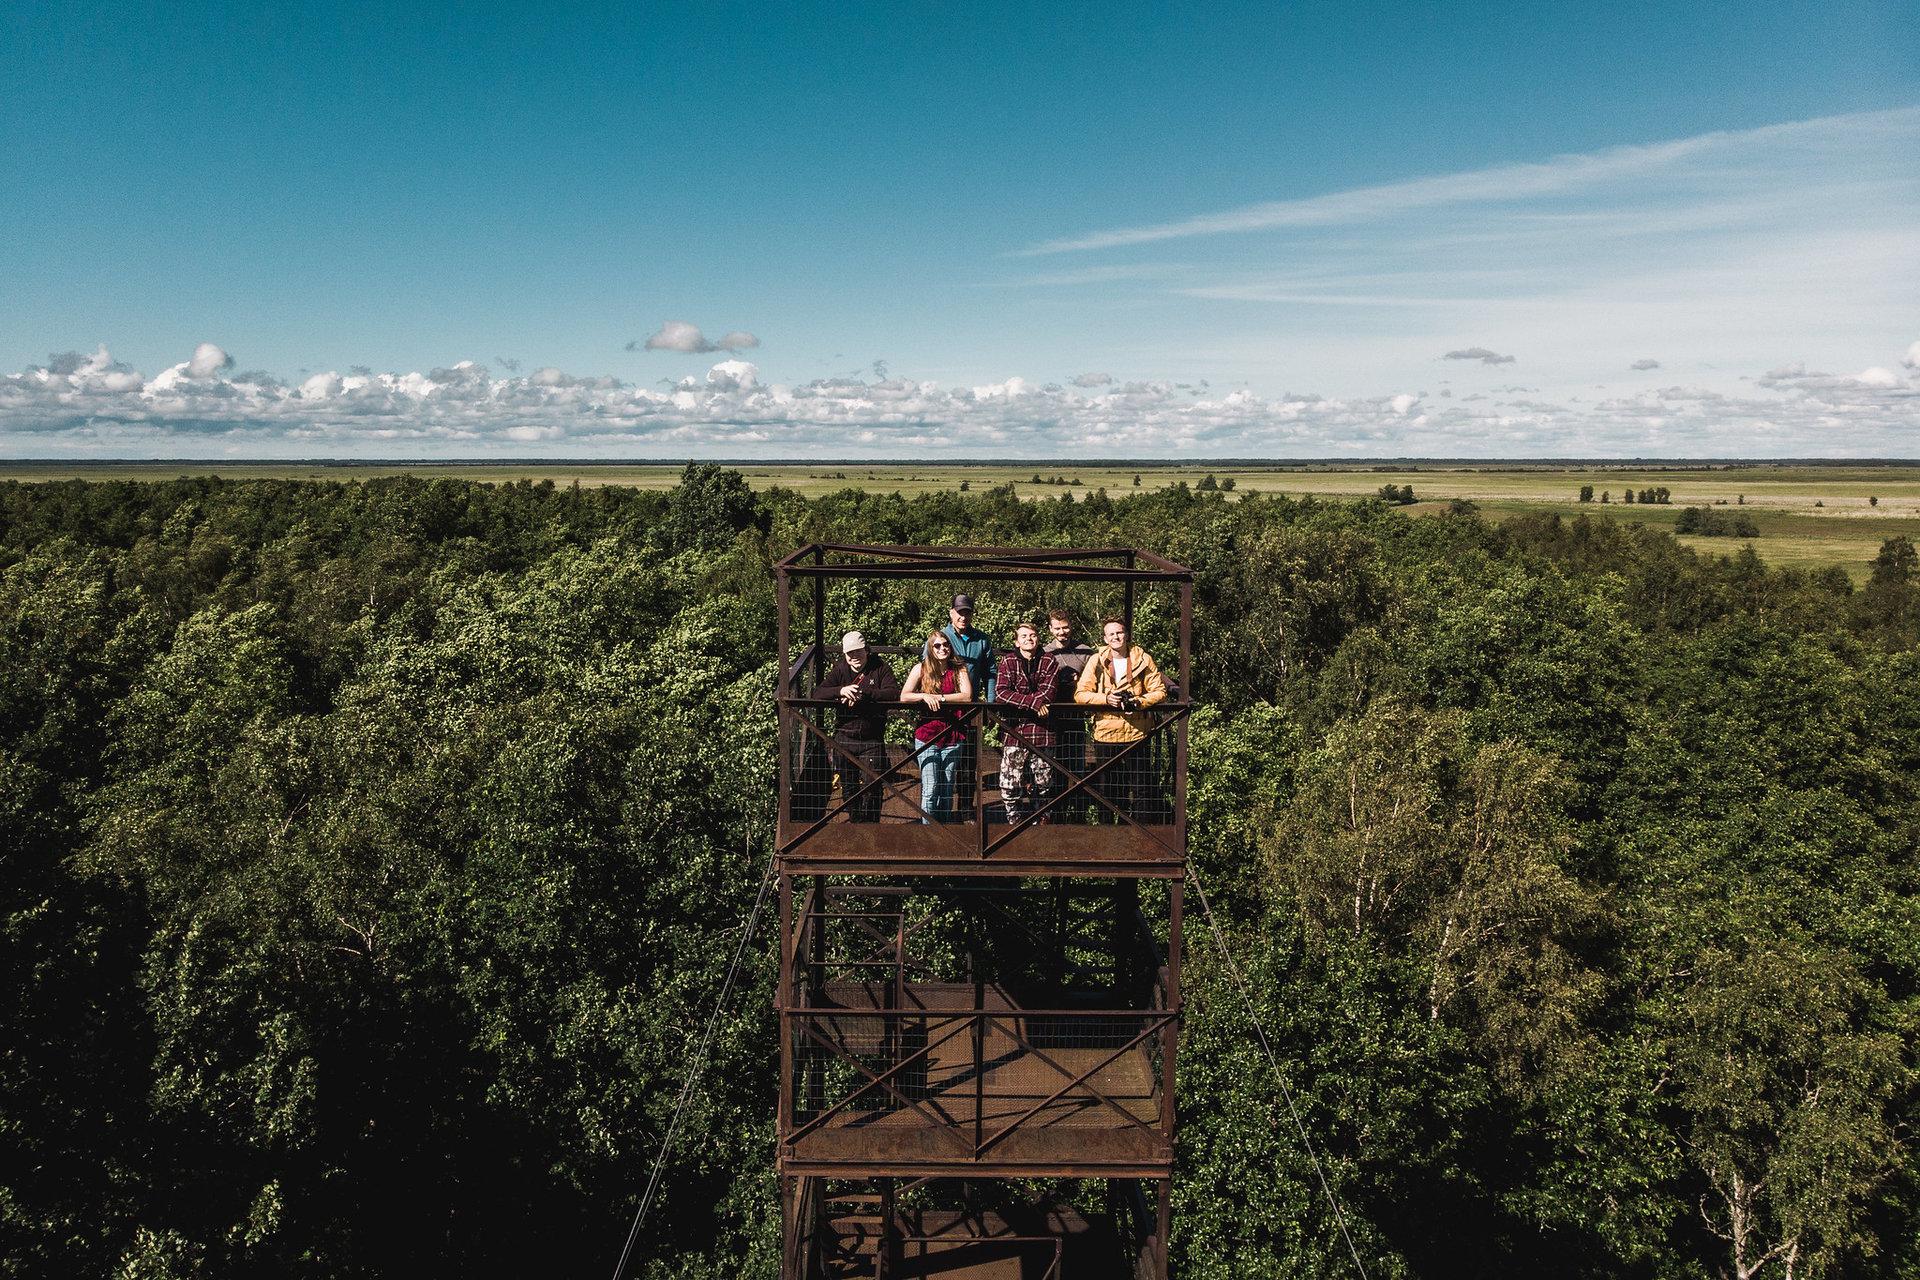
x=1025, y=779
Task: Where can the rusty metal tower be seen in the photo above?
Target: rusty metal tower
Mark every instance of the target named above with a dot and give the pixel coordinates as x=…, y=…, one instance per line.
x=979, y=1009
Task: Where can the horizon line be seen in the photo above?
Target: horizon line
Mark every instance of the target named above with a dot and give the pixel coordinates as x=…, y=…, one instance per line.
x=1185, y=464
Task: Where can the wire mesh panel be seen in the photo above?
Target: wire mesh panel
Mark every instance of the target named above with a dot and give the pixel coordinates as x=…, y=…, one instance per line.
x=974, y=1085
x=982, y=791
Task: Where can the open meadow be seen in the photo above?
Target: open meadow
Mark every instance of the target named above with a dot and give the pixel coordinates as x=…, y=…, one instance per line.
x=1809, y=515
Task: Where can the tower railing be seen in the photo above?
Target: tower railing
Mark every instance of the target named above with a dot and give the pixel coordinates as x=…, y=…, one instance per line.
x=865, y=806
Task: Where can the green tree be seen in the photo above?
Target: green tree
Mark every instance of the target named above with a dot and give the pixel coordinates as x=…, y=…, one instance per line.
x=1888, y=602
x=1402, y=838
x=709, y=506
x=1784, y=1079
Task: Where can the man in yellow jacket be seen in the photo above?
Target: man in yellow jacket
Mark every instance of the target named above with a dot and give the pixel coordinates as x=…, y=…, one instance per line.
x=1122, y=677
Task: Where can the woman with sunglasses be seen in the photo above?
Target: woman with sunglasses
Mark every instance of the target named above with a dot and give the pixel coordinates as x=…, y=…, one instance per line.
x=937, y=682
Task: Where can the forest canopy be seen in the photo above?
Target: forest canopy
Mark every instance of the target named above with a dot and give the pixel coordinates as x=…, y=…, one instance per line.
x=373, y=851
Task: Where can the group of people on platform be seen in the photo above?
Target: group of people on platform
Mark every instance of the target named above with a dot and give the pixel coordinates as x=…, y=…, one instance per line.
x=958, y=668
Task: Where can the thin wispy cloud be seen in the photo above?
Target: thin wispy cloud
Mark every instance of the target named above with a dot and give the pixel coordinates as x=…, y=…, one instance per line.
x=1557, y=176
x=1723, y=250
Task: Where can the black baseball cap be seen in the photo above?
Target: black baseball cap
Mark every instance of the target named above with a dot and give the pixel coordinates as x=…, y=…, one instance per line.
x=963, y=602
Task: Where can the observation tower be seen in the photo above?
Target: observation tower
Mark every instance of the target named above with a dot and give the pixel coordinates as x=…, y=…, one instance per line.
x=978, y=1015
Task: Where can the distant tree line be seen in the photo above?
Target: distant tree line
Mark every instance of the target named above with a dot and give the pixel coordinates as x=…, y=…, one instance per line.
x=1658, y=495
x=1709, y=523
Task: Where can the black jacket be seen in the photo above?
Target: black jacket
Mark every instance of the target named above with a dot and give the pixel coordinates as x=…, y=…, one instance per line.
x=867, y=721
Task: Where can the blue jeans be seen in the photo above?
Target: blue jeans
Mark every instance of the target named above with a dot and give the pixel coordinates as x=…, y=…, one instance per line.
x=939, y=773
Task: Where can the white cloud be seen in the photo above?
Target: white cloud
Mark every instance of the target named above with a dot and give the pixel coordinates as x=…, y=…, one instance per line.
x=678, y=335
x=1482, y=354
x=96, y=374
x=205, y=365
x=1106, y=379
x=78, y=405
x=322, y=386
x=1912, y=360
x=1008, y=390
x=733, y=375
x=208, y=360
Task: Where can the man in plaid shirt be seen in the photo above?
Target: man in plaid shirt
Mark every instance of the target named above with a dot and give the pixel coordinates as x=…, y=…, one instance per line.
x=1025, y=683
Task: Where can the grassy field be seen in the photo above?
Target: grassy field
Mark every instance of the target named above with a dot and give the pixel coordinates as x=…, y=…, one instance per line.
x=1809, y=516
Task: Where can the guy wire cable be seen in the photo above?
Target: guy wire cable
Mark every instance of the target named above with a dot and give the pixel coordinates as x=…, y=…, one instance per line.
x=1273, y=1061
x=699, y=1063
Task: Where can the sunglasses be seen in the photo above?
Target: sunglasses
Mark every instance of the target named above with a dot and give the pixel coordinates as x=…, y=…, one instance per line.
x=942, y=648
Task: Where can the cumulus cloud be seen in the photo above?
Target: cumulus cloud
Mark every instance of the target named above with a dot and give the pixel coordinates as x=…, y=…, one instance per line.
x=1642, y=366
x=1912, y=360
x=88, y=404
x=733, y=375
x=1106, y=379
x=208, y=360
x=321, y=386
x=678, y=335
x=205, y=365
x=98, y=373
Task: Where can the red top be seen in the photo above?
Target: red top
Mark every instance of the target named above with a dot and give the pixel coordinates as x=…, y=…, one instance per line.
x=941, y=728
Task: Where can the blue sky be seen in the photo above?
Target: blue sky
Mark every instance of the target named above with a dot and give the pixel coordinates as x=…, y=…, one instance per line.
x=1264, y=227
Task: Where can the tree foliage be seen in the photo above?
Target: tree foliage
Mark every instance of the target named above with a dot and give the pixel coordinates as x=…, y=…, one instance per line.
x=372, y=853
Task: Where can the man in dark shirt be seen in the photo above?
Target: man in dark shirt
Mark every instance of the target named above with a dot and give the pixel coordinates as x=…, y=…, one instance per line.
x=974, y=647
x=864, y=688
x=1070, y=731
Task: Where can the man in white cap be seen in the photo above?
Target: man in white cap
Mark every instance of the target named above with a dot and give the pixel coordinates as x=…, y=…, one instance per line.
x=864, y=688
